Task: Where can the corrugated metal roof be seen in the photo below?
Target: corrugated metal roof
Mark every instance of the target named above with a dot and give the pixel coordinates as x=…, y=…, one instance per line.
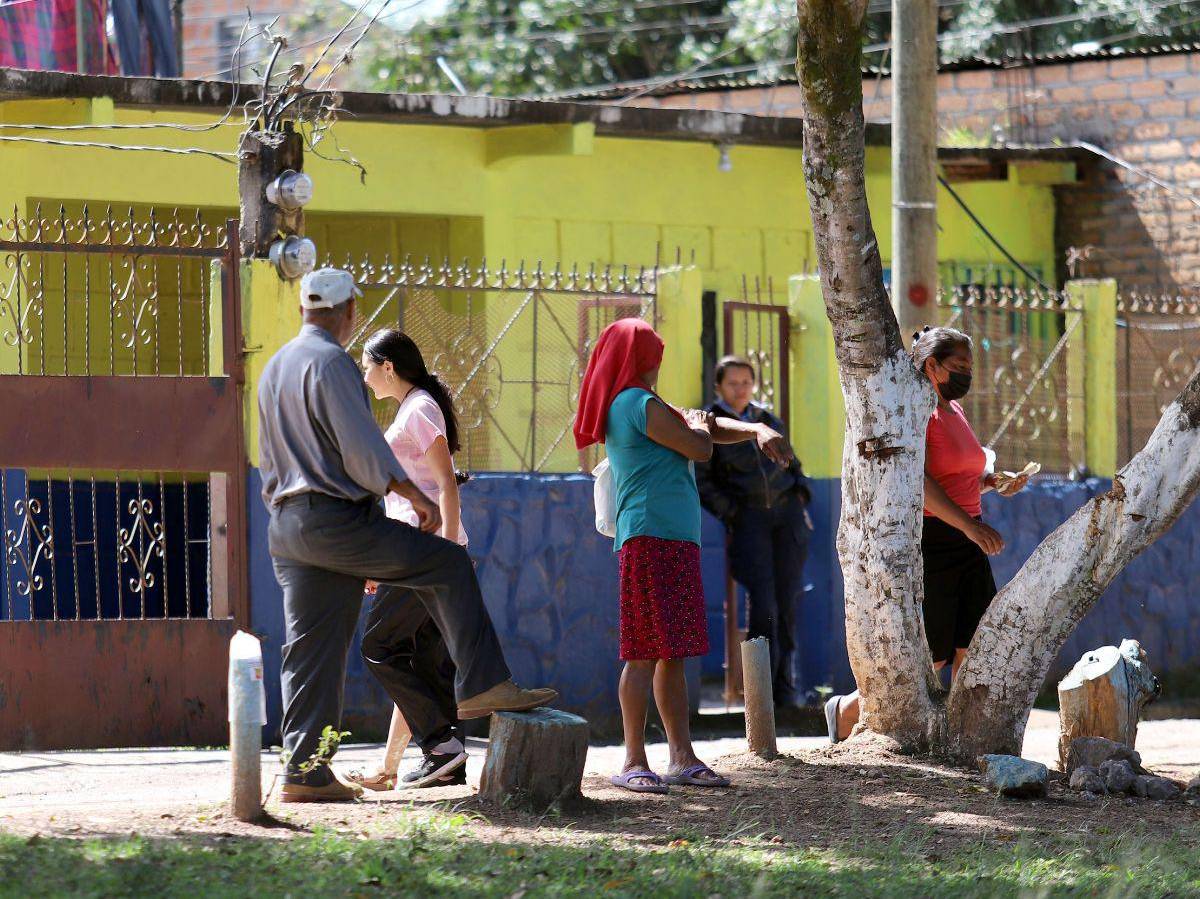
x=741, y=81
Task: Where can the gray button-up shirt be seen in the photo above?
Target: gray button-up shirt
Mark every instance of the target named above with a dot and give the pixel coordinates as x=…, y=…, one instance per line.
x=315, y=432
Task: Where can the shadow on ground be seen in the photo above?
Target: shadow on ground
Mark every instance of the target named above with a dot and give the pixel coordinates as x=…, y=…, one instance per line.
x=841, y=819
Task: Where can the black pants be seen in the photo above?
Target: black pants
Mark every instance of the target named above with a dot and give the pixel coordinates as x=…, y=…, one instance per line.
x=767, y=551
x=406, y=653
x=959, y=587
x=324, y=549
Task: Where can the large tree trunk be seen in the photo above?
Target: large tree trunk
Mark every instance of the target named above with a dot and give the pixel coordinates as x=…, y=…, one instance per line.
x=887, y=408
x=1029, y=620
x=887, y=402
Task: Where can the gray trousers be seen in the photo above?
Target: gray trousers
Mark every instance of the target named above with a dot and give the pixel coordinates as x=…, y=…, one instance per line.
x=323, y=550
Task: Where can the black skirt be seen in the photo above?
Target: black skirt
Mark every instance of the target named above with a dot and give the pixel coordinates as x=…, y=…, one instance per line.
x=958, y=587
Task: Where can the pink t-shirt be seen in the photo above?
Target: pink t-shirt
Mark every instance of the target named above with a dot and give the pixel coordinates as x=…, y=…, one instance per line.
x=419, y=422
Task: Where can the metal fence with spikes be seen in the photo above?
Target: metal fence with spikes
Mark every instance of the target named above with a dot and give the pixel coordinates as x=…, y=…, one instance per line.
x=1158, y=351
x=512, y=344
x=465, y=276
x=127, y=230
x=1027, y=402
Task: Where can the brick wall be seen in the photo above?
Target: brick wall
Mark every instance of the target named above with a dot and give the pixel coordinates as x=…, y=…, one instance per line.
x=1145, y=110
x=204, y=52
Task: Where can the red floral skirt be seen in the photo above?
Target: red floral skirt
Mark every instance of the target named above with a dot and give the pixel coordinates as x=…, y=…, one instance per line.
x=662, y=600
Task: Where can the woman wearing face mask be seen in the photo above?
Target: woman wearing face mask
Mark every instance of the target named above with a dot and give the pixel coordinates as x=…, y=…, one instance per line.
x=955, y=542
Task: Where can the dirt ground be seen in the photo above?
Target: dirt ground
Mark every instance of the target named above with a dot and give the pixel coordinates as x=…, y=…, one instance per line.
x=814, y=795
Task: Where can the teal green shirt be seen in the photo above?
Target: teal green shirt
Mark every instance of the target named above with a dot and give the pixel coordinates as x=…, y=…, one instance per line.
x=656, y=486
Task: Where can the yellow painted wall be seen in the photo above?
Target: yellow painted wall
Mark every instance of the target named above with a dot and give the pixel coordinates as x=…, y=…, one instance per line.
x=574, y=199
x=623, y=202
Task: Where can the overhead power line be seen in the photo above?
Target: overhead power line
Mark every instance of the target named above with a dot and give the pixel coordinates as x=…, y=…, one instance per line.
x=1064, y=19
x=346, y=54
x=694, y=73
x=465, y=42
x=577, y=35
x=353, y=34
x=182, y=151
x=563, y=35
x=286, y=52
x=642, y=82
x=558, y=17
x=705, y=62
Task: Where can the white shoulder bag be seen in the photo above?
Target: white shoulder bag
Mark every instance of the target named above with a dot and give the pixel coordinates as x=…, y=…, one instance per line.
x=605, y=496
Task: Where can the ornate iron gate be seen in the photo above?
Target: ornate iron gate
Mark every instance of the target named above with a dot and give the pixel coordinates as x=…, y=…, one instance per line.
x=122, y=479
x=1158, y=351
x=1028, y=404
x=512, y=345
x=760, y=330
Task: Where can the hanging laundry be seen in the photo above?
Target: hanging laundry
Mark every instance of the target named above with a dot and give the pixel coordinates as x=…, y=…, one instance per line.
x=142, y=22
x=40, y=34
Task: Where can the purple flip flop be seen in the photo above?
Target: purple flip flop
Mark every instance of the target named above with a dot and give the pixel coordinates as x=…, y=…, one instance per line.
x=689, y=777
x=625, y=781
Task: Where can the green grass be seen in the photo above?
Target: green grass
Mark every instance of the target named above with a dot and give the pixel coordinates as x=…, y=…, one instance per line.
x=444, y=857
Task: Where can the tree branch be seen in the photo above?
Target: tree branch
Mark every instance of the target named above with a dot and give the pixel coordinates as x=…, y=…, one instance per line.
x=1029, y=620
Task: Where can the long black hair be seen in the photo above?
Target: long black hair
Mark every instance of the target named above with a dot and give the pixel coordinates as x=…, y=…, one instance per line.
x=394, y=346
x=937, y=343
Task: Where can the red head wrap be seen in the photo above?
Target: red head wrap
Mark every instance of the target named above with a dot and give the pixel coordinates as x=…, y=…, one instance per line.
x=626, y=350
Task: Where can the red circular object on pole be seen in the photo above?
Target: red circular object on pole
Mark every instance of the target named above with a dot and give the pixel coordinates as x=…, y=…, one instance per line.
x=918, y=294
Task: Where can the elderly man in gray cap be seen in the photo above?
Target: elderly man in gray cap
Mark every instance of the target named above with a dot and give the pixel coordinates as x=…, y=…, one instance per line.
x=325, y=465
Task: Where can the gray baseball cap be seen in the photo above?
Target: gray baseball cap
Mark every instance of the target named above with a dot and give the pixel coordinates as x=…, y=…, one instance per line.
x=326, y=288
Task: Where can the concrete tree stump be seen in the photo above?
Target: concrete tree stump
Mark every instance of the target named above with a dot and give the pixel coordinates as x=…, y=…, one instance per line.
x=1103, y=695
x=535, y=760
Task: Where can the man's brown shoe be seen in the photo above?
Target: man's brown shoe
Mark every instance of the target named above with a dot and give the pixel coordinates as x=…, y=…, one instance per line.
x=337, y=790
x=505, y=697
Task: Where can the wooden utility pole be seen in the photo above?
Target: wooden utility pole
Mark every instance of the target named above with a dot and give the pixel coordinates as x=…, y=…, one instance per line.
x=264, y=155
x=914, y=163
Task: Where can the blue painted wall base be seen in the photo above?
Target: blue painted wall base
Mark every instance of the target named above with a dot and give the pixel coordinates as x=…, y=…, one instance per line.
x=550, y=582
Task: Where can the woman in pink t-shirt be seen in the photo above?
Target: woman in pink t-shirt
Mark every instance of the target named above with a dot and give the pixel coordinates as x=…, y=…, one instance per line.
x=401, y=644
x=955, y=542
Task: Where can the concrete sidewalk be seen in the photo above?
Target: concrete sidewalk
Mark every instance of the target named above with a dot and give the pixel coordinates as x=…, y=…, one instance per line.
x=86, y=783
x=98, y=790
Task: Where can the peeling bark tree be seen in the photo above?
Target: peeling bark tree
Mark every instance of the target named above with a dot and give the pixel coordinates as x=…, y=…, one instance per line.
x=888, y=404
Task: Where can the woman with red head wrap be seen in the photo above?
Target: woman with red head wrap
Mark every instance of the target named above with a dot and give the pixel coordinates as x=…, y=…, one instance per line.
x=651, y=447
x=626, y=350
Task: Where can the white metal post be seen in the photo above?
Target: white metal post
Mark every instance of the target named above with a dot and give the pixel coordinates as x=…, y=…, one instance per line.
x=247, y=715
